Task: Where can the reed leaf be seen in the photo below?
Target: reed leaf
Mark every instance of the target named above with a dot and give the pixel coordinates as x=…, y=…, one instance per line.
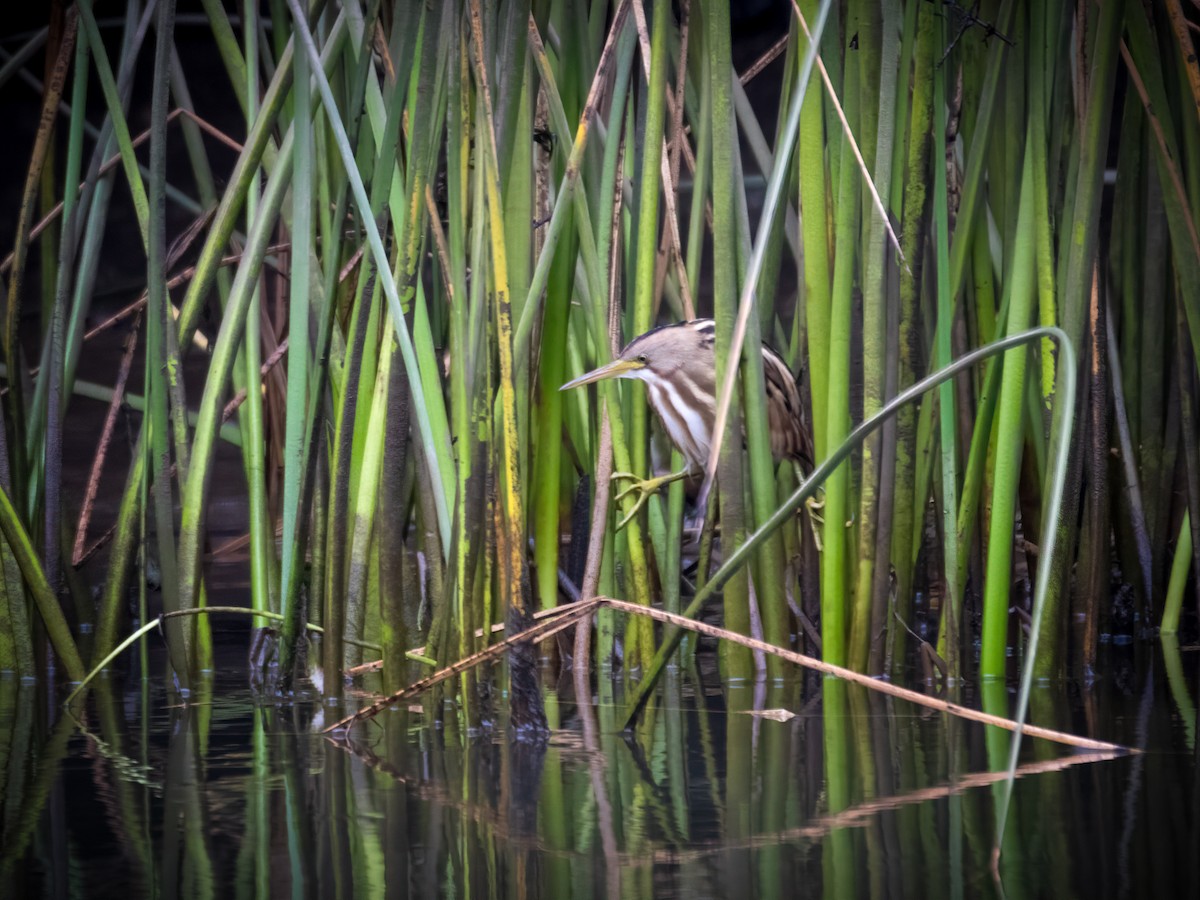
x=17, y=540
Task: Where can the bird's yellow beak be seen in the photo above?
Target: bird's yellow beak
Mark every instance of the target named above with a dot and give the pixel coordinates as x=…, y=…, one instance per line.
x=618, y=368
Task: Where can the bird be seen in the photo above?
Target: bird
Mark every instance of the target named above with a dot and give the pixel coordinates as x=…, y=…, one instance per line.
x=678, y=365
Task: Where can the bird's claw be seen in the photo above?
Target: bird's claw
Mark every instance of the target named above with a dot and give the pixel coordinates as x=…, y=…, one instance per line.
x=815, y=520
x=645, y=488
x=813, y=505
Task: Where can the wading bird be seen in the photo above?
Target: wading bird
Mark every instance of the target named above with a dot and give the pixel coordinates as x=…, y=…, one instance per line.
x=679, y=368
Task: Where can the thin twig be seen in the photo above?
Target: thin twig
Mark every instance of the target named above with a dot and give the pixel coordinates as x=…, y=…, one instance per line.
x=439, y=241
x=113, y=161
x=95, y=548
x=175, y=281
x=110, y=423
x=765, y=60
x=564, y=617
x=268, y=364
x=376, y=665
x=883, y=687
x=237, y=543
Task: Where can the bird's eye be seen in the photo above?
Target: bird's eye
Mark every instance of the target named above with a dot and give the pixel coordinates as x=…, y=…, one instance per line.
x=642, y=360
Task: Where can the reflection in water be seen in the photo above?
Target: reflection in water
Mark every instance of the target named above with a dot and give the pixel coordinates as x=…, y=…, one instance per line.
x=857, y=795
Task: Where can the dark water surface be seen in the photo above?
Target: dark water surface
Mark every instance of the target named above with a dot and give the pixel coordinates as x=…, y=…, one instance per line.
x=855, y=796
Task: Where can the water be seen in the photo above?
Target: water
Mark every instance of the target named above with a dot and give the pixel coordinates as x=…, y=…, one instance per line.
x=854, y=796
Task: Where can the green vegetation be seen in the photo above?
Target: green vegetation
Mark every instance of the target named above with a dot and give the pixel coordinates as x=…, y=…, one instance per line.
x=438, y=213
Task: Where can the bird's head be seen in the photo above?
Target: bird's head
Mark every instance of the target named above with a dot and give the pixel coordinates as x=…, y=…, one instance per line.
x=658, y=354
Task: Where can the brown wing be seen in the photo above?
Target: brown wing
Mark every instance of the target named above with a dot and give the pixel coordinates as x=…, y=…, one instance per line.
x=790, y=438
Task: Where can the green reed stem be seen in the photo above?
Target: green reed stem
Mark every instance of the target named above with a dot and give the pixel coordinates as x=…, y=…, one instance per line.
x=1010, y=437
x=948, y=637
x=873, y=336
x=836, y=587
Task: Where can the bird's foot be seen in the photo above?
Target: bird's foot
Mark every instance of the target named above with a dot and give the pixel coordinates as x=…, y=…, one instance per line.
x=815, y=520
x=814, y=507
x=645, y=488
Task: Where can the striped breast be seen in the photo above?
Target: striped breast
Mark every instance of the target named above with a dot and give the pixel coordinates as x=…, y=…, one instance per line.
x=681, y=387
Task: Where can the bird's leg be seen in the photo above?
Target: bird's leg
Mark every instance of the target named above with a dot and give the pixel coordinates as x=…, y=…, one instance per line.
x=814, y=505
x=645, y=488
x=815, y=520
